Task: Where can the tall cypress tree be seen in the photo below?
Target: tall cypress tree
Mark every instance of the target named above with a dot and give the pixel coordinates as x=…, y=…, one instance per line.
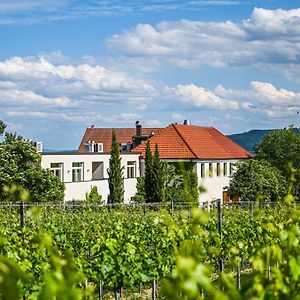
x=149, y=174
x=115, y=173
x=158, y=177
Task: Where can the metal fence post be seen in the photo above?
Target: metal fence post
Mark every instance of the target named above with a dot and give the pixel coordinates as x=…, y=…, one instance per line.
x=251, y=211
x=154, y=290
x=22, y=214
x=219, y=208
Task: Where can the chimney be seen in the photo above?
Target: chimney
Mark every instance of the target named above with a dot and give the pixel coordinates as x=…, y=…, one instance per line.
x=138, y=127
x=186, y=122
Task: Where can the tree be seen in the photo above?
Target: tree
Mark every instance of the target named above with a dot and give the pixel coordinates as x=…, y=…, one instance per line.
x=115, y=173
x=158, y=177
x=281, y=149
x=149, y=174
x=93, y=196
x=20, y=166
x=257, y=180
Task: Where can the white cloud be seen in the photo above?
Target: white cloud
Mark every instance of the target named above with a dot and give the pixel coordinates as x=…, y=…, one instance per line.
x=84, y=82
x=200, y=97
x=190, y=44
x=25, y=97
x=264, y=98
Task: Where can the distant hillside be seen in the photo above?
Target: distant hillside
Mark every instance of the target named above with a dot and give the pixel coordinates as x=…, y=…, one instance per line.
x=250, y=139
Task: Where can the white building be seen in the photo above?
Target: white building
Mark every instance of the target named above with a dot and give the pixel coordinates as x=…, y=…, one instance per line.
x=81, y=171
x=207, y=152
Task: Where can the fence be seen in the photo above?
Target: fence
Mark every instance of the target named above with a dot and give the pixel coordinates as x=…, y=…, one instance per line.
x=214, y=206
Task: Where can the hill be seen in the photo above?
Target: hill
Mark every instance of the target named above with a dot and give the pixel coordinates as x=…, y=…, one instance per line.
x=250, y=139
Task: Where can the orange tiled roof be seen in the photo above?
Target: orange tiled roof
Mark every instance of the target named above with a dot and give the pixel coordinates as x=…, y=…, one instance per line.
x=188, y=141
x=103, y=135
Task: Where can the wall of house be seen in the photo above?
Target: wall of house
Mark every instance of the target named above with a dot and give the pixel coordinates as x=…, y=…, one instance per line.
x=212, y=182
x=79, y=182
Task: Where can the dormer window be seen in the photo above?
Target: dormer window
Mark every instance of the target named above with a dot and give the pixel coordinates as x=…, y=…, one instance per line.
x=93, y=147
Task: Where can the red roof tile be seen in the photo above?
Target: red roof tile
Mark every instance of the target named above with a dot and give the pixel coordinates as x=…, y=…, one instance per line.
x=188, y=141
x=103, y=135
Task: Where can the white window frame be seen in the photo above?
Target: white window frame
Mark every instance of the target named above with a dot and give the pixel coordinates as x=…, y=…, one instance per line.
x=60, y=169
x=131, y=169
x=210, y=169
x=225, y=169
x=202, y=170
x=218, y=169
x=76, y=169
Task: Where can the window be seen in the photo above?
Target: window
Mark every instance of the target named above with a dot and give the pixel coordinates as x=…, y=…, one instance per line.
x=57, y=170
x=97, y=170
x=202, y=170
x=218, y=169
x=210, y=169
x=225, y=171
x=230, y=169
x=130, y=169
x=77, y=171
x=94, y=147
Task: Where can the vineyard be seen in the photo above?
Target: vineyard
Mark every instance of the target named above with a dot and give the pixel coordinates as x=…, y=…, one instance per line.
x=90, y=252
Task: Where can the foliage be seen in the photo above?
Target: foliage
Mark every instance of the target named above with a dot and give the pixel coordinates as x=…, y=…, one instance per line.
x=93, y=196
x=149, y=175
x=257, y=180
x=158, y=177
x=181, y=184
x=20, y=165
x=140, y=196
x=281, y=149
x=115, y=173
x=2, y=127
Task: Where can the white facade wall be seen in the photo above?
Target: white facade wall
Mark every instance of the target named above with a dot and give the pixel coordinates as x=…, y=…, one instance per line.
x=77, y=190
x=213, y=183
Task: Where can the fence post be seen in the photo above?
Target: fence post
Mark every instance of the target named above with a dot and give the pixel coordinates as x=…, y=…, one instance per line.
x=238, y=275
x=219, y=208
x=154, y=289
x=117, y=294
x=172, y=207
x=101, y=290
x=22, y=214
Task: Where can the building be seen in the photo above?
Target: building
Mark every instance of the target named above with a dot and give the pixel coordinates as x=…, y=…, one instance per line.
x=208, y=152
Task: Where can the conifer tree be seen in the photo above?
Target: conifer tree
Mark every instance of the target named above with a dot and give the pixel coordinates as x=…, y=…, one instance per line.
x=115, y=173
x=158, y=178
x=149, y=174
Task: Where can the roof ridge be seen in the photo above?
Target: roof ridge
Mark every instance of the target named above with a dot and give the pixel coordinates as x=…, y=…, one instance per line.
x=184, y=140
x=217, y=140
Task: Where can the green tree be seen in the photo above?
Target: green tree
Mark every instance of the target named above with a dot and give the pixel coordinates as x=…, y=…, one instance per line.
x=281, y=149
x=20, y=165
x=115, y=173
x=93, y=196
x=158, y=177
x=149, y=174
x=257, y=180
x=140, y=195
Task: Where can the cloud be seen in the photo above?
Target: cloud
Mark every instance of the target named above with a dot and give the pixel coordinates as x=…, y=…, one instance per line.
x=25, y=97
x=190, y=44
x=64, y=84
x=264, y=98
x=203, y=98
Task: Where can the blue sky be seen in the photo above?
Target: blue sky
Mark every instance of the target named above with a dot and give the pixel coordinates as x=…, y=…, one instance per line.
x=67, y=64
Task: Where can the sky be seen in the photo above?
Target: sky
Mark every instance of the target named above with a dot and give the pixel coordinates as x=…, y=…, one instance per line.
x=68, y=64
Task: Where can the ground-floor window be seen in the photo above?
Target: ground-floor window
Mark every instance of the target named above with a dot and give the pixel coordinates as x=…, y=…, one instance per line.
x=77, y=171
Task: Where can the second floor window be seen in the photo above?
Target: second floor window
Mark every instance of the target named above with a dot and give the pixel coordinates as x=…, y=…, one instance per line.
x=130, y=169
